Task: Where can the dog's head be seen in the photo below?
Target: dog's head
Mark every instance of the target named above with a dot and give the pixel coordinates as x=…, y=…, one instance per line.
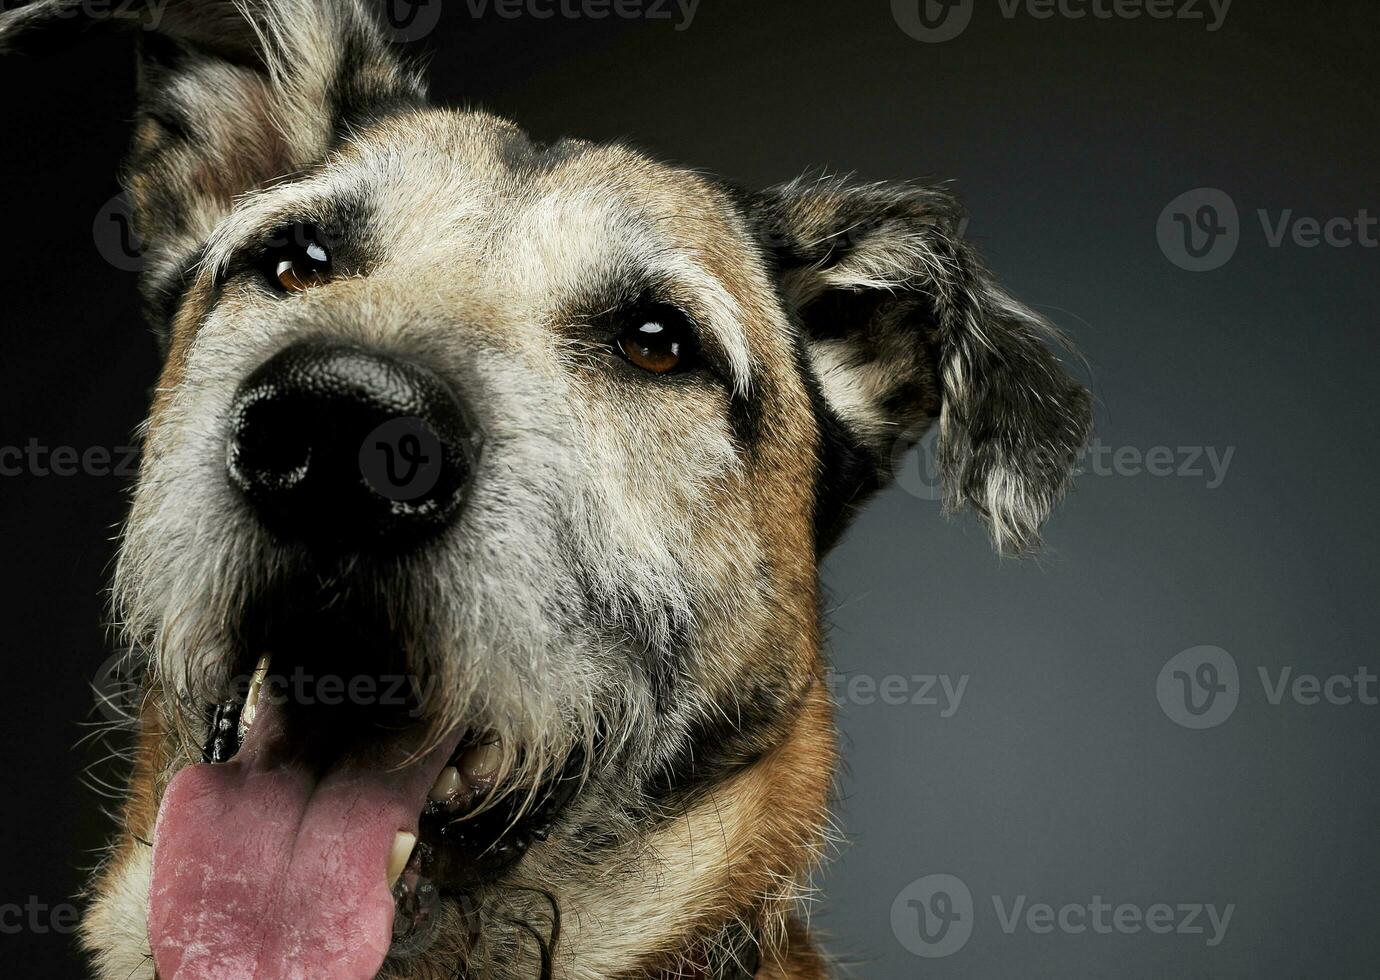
x=557, y=435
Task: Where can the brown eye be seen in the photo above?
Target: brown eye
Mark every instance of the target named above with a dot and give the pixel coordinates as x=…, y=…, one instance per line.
x=661, y=340
x=297, y=259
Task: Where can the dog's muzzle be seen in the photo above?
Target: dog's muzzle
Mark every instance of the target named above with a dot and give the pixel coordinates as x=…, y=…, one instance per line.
x=348, y=449
x=329, y=822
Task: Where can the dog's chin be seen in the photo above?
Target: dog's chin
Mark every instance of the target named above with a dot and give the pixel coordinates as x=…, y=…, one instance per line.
x=332, y=815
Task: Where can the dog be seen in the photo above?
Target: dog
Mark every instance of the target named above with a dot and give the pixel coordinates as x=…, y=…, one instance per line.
x=472, y=571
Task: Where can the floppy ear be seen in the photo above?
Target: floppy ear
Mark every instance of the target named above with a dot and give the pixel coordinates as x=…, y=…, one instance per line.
x=903, y=328
x=233, y=94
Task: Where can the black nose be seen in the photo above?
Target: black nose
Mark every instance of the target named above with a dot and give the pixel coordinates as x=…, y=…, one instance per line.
x=348, y=449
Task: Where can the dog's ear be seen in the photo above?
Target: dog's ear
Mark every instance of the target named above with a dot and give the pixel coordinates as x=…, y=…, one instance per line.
x=902, y=327
x=233, y=95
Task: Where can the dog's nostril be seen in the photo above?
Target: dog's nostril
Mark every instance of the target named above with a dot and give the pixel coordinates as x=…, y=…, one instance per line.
x=349, y=449
x=270, y=450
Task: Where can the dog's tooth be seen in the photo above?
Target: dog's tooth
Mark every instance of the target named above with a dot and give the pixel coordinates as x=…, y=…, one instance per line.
x=251, y=700
x=447, y=785
x=256, y=681
x=403, y=844
x=481, y=762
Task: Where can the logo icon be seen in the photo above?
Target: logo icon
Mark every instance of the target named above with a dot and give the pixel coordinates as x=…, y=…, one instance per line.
x=417, y=900
x=1199, y=688
x=402, y=459
x=916, y=468
x=118, y=687
x=115, y=237
x=933, y=916
x=405, y=21
x=932, y=21
x=1199, y=230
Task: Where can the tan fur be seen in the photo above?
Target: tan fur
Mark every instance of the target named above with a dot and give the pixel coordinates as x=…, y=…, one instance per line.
x=738, y=854
x=491, y=261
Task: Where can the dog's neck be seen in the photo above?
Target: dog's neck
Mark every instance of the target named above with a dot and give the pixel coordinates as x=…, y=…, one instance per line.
x=735, y=954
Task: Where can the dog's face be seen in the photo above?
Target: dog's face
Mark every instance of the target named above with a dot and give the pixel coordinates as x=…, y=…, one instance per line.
x=631, y=408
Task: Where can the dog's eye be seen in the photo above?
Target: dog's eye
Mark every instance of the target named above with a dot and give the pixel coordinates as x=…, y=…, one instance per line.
x=298, y=259
x=659, y=340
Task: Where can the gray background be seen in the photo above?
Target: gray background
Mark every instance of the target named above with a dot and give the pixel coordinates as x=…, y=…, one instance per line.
x=1060, y=777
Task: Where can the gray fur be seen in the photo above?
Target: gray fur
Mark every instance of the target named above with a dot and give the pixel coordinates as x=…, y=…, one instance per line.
x=628, y=564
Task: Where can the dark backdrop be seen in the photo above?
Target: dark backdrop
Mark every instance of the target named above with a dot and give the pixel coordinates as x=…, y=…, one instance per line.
x=1225, y=506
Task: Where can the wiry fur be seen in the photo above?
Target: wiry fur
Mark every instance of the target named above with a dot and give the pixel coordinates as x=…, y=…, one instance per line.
x=635, y=569
x=934, y=335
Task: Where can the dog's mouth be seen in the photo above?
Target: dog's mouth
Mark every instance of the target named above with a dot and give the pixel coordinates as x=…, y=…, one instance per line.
x=312, y=843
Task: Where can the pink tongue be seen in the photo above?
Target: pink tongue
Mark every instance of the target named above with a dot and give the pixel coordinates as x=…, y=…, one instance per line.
x=269, y=868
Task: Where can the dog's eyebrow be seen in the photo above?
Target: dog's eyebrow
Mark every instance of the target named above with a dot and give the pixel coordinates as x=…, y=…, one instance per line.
x=714, y=308
x=258, y=213
x=596, y=243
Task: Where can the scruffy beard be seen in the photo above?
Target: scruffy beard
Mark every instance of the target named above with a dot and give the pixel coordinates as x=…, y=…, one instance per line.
x=521, y=620
x=541, y=670
x=492, y=628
